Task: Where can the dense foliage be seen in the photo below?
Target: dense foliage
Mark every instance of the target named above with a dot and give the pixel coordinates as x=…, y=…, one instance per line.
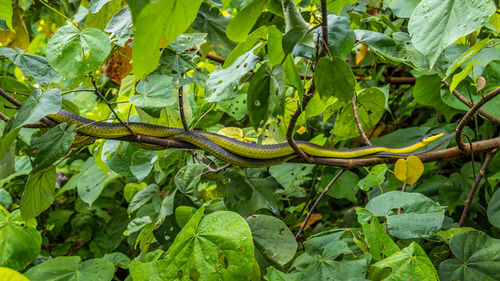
x=115, y=211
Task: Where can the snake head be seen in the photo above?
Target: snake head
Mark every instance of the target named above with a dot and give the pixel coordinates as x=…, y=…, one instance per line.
x=432, y=137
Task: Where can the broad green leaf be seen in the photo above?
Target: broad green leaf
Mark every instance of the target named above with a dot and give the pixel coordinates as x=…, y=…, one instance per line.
x=37, y=105
x=188, y=40
x=7, y=140
x=259, y=34
x=379, y=243
x=236, y=107
x=494, y=209
x=242, y=23
x=142, y=197
x=436, y=24
x=266, y=94
x=5, y=198
x=420, y=216
x=291, y=38
x=427, y=92
x=345, y=187
x=20, y=242
x=492, y=75
x=120, y=27
x=11, y=275
x=6, y=12
x=31, y=65
x=210, y=20
x=459, y=184
x=370, y=104
x=137, y=224
x=292, y=75
x=153, y=29
x=403, y=8
x=52, y=145
x=274, y=46
x=187, y=179
x=336, y=6
x=155, y=92
x=72, y=268
x=183, y=214
x=272, y=238
x=38, y=193
x=275, y=275
x=375, y=177
x=327, y=266
x=247, y=195
x=411, y=263
x=142, y=163
x=334, y=77
x=294, y=20
x=73, y=52
x=56, y=221
x=380, y=43
x=459, y=77
x=223, y=83
x=340, y=36
x=409, y=170
x=477, y=257
x=291, y=176
x=219, y=246
x=91, y=184
x=96, y=5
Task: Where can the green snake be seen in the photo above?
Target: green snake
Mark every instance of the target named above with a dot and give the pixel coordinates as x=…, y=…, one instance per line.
x=225, y=148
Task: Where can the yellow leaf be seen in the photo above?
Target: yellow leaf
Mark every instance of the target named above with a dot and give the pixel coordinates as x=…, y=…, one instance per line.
x=232, y=132
x=7, y=274
x=409, y=170
x=301, y=130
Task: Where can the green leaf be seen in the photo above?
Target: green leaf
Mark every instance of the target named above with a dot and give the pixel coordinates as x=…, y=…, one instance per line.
x=56, y=221
x=96, y=5
x=411, y=263
x=91, y=184
x=291, y=38
x=427, y=92
x=20, y=242
x=142, y=197
x=476, y=258
x=6, y=13
x=272, y=238
x=340, y=36
x=436, y=24
x=153, y=27
x=291, y=176
x=38, y=193
x=260, y=34
x=242, y=23
x=334, y=77
x=494, y=209
x=52, y=145
x=142, y=163
x=188, y=40
x=379, y=243
x=223, y=83
x=155, y=92
x=370, y=102
x=294, y=20
x=345, y=187
x=187, y=179
x=420, y=216
x=37, y=105
x=275, y=275
x=274, y=46
x=380, y=43
x=5, y=199
x=491, y=74
x=72, y=268
x=247, y=195
x=466, y=56
x=459, y=77
x=375, y=177
x=7, y=140
x=218, y=246
x=73, y=52
x=403, y=8
x=266, y=94
x=183, y=214
x=336, y=6
x=120, y=27
x=31, y=65
x=292, y=75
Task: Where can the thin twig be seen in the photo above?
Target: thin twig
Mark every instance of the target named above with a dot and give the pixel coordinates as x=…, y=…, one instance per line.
x=9, y=98
x=181, y=109
x=4, y=117
x=465, y=101
x=65, y=156
x=98, y=92
x=202, y=116
x=358, y=122
x=77, y=90
x=465, y=119
x=327, y=188
x=468, y=202
x=324, y=29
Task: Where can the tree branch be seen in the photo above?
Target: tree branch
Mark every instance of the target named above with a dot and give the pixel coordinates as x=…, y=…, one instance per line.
x=465, y=101
x=324, y=29
x=327, y=188
x=468, y=202
x=181, y=109
x=358, y=122
x=465, y=119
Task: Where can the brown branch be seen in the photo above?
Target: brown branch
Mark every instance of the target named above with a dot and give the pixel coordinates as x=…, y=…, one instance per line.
x=293, y=120
x=181, y=109
x=4, y=117
x=401, y=80
x=465, y=101
x=9, y=98
x=327, y=188
x=468, y=202
x=358, y=122
x=466, y=118
x=98, y=92
x=215, y=58
x=324, y=29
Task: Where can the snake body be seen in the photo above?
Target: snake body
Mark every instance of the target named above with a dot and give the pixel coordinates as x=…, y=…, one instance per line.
x=228, y=149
